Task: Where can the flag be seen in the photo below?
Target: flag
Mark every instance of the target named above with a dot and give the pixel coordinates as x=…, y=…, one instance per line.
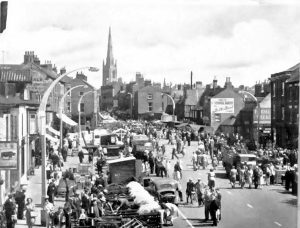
x=3, y=15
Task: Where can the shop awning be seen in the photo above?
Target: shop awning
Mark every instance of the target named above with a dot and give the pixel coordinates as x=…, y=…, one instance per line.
x=67, y=120
x=52, y=130
x=52, y=139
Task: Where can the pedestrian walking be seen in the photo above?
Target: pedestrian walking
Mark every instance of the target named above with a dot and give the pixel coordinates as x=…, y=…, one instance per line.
x=20, y=201
x=49, y=210
x=211, y=178
x=29, y=213
x=199, y=187
x=80, y=155
x=174, y=154
x=233, y=174
x=10, y=211
x=190, y=188
x=51, y=191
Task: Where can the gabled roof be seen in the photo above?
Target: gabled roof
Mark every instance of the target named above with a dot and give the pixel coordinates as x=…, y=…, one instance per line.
x=297, y=66
x=295, y=77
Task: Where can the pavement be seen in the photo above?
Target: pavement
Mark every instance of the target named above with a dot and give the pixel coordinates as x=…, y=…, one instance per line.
x=34, y=190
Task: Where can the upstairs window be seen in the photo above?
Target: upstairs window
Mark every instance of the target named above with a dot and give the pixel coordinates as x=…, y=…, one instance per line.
x=81, y=107
x=80, y=93
x=282, y=113
x=150, y=96
x=150, y=107
x=69, y=106
x=282, y=89
x=274, y=89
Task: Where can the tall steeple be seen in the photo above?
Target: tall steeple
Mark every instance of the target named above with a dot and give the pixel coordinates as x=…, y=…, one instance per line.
x=110, y=67
x=109, y=57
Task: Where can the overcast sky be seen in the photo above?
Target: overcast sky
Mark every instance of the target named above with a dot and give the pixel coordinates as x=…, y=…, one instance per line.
x=242, y=39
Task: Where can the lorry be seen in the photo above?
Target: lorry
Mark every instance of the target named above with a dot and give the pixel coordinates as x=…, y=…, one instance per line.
x=234, y=159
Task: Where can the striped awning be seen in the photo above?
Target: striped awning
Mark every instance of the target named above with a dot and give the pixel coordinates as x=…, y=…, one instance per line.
x=15, y=75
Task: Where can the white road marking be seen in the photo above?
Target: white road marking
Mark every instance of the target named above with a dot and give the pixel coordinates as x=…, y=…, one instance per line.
x=249, y=205
x=185, y=218
x=277, y=223
x=229, y=192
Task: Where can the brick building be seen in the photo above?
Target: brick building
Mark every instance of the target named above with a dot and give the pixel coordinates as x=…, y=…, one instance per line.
x=284, y=107
x=89, y=103
x=148, y=103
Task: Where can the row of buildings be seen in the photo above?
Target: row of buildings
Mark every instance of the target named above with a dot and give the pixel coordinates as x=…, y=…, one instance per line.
x=269, y=110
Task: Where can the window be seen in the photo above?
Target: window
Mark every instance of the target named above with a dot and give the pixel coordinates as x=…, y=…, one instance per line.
x=282, y=113
x=69, y=94
x=150, y=107
x=273, y=111
x=150, y=96
x=274, y=89
x=80, y=93
x=282, y=89
x=81, y=107
x=69, y=106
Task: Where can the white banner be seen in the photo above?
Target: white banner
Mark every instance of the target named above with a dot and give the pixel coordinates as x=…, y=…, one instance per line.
x=222, y=105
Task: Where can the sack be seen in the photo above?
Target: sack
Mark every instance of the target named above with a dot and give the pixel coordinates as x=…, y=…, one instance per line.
x=14, y=218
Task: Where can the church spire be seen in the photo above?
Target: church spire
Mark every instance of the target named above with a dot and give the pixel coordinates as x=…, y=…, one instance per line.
x=109, y=57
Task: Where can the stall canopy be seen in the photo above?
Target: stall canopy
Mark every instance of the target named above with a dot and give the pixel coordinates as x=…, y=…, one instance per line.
x=106, y=118
x=52, y=130
x=67, y=120
x=52, y=139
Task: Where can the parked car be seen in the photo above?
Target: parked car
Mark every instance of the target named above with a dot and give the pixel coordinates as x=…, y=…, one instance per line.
x=165, y=189
x=7, y=154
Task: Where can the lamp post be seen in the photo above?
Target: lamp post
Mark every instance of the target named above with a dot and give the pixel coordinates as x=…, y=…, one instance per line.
x=79, y=111
x=173, y=104
x=258, y=111
x=61, y=104
x=42, y=124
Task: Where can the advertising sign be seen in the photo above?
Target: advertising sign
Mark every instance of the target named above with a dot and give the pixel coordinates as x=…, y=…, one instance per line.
x=8, y=155
x=264, y=116
x=222, y=105
x=39, y=83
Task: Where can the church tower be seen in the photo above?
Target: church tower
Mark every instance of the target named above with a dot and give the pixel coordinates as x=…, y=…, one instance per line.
x=109, y=73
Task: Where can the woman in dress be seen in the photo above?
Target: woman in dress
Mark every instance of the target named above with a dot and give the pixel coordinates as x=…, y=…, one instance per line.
x=29, y=208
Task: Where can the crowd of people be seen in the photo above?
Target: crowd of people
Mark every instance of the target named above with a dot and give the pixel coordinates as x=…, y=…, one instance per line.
x=94, y=200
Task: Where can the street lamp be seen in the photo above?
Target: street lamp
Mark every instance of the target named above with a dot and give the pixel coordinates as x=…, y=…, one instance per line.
x=258, y=111
x=61, y=104
x=172, y=102
x=42, y=123
x=79, y=111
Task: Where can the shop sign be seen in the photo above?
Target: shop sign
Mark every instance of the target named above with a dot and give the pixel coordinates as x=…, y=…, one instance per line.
x=264, y=116
x=222, y=105
x=8, y=155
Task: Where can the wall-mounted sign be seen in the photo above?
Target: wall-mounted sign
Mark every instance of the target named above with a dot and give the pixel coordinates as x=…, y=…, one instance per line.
x=222, y=105
x=264, y=116
x=8, y=155
x=39, y=83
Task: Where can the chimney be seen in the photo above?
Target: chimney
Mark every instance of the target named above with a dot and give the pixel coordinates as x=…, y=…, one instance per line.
x=63, y=71
x=228, y=82
x=29, y=57
x=191, y=79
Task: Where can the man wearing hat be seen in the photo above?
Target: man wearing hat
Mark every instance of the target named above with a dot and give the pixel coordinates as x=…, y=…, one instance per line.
x=10, y=210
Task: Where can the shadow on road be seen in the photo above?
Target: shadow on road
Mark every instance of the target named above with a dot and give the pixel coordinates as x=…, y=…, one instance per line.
x=221, y=175
x=200, y=222
x=292, y=202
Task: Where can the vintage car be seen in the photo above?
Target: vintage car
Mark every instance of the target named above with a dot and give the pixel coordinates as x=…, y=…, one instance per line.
x=7, y=154
x=165, y=189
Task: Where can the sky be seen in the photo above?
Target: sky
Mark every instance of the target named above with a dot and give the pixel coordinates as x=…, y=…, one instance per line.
x=246, y=40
